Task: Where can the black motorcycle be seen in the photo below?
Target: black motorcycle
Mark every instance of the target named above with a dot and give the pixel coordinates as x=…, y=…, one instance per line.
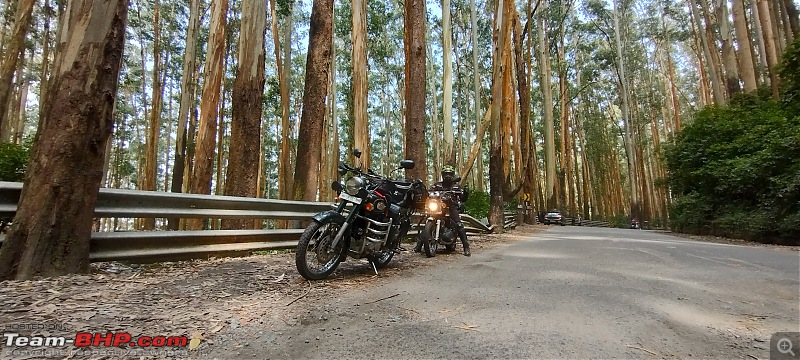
x=440, y=229
x=371, y=218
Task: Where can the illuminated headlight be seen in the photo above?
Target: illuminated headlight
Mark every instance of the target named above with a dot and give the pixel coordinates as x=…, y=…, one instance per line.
x=353, y=185
x=433, y=206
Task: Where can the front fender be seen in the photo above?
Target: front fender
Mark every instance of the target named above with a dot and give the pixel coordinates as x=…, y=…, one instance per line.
x=329, y=215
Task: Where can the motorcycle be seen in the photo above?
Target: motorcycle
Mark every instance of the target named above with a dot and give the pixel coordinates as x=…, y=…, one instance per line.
x=370, y=220
x=440, y=229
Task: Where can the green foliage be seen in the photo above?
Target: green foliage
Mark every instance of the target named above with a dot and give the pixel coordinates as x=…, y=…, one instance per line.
x=618, y=221
x=735, y=172
x=790, y=78
x=13, y=160
x=477, y=204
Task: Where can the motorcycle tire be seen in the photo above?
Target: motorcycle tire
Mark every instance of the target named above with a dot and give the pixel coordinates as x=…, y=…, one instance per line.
x=428, y=244
x=314, y=248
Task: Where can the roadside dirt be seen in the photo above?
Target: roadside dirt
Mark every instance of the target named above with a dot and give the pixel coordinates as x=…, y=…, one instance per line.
x=197, y=299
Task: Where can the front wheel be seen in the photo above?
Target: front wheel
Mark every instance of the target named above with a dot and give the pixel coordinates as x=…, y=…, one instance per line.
x=315, y=259
x=429, y=243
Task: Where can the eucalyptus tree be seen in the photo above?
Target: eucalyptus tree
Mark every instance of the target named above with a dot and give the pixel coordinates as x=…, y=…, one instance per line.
x=745, y=55
x=248, y=92
x=314, y=99
x=501, y=33
x=154, y=124
x=360, y=80
x=15, y=49
x=207, y=126
x=187, y=100
x=770, y=41
x=415, y=81
x=51, y=228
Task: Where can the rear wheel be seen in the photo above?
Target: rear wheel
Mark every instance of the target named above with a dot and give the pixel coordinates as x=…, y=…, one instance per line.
x=315, y=259
x=428, y=242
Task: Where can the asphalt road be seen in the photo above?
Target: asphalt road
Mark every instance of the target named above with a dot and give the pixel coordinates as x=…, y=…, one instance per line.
x=568, y=292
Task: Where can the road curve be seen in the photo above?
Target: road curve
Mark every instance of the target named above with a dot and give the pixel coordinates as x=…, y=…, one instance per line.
x=568, y=292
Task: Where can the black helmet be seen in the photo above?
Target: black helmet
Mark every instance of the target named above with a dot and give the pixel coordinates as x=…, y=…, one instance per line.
x=448, y=173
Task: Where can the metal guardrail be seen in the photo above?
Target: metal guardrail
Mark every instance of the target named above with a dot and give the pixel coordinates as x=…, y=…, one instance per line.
x=149, y=246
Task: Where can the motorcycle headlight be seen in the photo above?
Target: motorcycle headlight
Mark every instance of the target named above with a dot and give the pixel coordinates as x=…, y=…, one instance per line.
x=380, y=205
x=433, y=206
x=353, y=185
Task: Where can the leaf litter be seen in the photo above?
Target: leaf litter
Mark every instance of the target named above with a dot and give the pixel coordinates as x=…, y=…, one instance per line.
x=198, y=299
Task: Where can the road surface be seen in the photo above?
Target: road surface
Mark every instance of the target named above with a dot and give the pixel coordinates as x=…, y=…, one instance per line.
x=567, y=292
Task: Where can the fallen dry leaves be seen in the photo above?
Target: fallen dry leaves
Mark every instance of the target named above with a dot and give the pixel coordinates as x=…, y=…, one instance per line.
x=196, y=299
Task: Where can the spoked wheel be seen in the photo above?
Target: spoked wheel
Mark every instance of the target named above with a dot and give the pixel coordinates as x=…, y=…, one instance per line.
x=429, y=243
x=315, y=259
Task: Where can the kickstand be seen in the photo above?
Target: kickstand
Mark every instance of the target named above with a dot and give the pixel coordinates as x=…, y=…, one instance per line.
x=373, y=267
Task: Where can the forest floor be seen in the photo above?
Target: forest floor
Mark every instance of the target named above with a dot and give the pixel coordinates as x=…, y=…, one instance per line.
x=196, y=299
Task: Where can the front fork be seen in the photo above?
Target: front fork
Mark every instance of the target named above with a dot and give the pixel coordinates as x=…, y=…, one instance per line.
x=438, y=228
x=347, y=221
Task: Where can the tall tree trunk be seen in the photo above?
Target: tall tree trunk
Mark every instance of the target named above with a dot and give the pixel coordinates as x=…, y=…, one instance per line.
x=167, y=154
x=770, y=46
x=794, y=18
x=547, y=94
x=188, y=88
x=222, y=128
x=285, y=181
x=676, y=119
x=44, y=73
x=778, y=35
x=476, y=83
x=719, y=96
x=20, y=113
x=524, y=92
x=728, y=53
x=746, y=64
x=626, y=114
x=436, y=132
x=209, y=108
x=563, y=97
x=783, y=14
x=51, y=229
x=334, y=114
x=13, y=108
x=414, y=43
x=154, y=127
x=15, y=49
x=712, y=43
x=360, y=120
x=447, y=84
x=759, y=48
x=241, y=178
x=497, y=183
x=320, y=53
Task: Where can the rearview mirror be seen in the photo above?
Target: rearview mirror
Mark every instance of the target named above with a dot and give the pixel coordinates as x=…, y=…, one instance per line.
x=457, y=179
x=357, y=152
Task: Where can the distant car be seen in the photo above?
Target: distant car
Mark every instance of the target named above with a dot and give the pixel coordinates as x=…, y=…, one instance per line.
x=554, y=217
